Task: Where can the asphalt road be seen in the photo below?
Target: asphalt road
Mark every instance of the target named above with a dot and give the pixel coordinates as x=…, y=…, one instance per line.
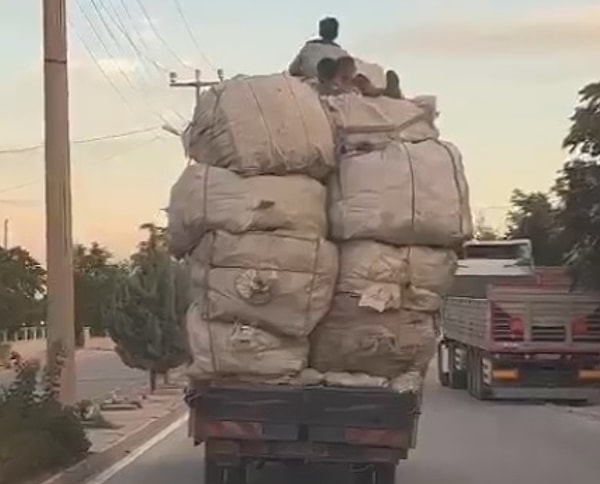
x=461, y=441
x=98, y=374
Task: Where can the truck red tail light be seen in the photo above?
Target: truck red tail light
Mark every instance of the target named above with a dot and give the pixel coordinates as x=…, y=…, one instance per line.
x=233, y=430
x=579, y=326
x=517, y=328
x=377, y=437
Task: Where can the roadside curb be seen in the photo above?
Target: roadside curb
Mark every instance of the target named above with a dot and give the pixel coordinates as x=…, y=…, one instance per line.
x=585, y=413
x=96, y=463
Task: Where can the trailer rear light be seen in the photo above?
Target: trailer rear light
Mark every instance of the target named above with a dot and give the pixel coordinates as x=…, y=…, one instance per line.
x=589, y=374
x=224, y=429
x=377, y=437
x=579, y=327
x=517, y=328
x=505, y=374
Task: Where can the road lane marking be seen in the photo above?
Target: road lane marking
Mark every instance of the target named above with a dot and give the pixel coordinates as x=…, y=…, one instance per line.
x=141, y=450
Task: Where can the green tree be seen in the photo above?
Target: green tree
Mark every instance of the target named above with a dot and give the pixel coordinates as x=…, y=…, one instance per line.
x=22, y=289
x=485, y=232
x=583, y=139
x=147, y=312
x=578, y=190
x=95, y=277
x=533, y=217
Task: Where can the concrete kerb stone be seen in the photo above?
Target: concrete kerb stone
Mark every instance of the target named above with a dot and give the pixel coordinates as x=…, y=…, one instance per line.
x=98, y=462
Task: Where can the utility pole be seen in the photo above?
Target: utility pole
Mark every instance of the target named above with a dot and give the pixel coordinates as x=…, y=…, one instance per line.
x=197, y=83
x=5, y=236
x=59, y=243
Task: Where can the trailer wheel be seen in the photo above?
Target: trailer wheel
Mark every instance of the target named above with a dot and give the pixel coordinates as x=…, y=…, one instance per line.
x=457, y=377
x=475, y=383
x=443, y=376
x=219, y=474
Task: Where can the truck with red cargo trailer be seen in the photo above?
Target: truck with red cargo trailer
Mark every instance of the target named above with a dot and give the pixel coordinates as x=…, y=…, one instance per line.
x=510, y=331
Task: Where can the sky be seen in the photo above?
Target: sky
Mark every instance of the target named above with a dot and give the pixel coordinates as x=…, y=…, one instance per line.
x=506, y=75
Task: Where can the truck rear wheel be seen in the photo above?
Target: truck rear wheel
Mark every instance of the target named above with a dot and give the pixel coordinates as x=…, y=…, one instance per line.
x=220, y=474
x=475, y=384
x=443, y=376
x=457, y=377
x=385, y=474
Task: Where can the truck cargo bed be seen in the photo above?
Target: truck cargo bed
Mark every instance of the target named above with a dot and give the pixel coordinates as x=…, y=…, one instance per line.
x=311, y=405
x=315, y=424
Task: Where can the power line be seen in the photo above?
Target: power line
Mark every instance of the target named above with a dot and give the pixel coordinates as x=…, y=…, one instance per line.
x=102, y=160
x=114, y=15
x=83, y=141
x=191, y=34
x=118, y=67
x=113, y=36
x=96, y=61
x=158, y=35
x=140, y=36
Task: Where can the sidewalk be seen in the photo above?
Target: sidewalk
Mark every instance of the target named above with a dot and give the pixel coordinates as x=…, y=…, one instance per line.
x=36, y=349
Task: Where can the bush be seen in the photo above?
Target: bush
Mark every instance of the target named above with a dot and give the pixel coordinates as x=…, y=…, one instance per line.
x=37, y=434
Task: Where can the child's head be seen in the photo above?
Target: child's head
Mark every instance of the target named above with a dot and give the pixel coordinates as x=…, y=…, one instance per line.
x=346, y=69
x=327, y=69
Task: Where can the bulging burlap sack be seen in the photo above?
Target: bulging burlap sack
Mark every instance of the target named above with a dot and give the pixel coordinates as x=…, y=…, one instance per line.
x=376, y=121
x=385, y=277
x=356, y=339
x=282, y=282
x=406, y=194
x=262, y=125
x=211, y=198
x=241, y=353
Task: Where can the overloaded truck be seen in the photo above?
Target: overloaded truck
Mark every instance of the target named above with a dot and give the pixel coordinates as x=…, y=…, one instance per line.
x=509, y=332
x=319, y=233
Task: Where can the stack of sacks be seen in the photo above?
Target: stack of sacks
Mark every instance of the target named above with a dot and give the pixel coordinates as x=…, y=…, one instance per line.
x=398, y=203
x=250, y=218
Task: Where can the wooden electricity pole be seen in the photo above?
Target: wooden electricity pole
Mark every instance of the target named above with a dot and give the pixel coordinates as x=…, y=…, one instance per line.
x=197, y=84
x=59, y=244
x=5, y=236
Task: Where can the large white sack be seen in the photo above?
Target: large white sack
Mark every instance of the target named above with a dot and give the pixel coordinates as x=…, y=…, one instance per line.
x=353, y=339
x=376, y=121
x=212, y=198
x=281, y=282
x=405, y=194
x=262, y=125
x=374, y=72
x=385, y=277
x=241, y=353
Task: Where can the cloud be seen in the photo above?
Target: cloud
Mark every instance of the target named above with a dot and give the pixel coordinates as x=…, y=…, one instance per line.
x=550, y=31
x=112, y=66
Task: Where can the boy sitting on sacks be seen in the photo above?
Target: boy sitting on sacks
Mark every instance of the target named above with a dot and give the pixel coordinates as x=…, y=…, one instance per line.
x=317, y=57
x=341, y=76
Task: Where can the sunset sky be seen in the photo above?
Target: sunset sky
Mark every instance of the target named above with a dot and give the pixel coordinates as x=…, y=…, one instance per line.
x=506, y=74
